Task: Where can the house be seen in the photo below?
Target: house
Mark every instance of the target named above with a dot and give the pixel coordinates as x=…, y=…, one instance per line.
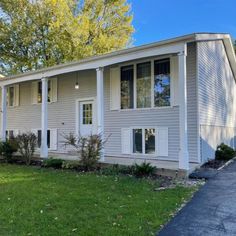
x=169, y=103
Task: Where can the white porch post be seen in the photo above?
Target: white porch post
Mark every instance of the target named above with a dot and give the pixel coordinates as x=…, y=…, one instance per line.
x=183, y=152
x=44, y=118
x=4, y=114
x=100, y=106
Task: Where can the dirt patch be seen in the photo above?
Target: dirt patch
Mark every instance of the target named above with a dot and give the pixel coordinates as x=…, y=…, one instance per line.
x=214, y=164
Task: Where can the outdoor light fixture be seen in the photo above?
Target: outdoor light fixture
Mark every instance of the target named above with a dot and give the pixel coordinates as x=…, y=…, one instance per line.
x=77, y=83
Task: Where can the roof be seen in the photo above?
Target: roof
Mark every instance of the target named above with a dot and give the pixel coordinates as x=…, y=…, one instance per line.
x=110, y=58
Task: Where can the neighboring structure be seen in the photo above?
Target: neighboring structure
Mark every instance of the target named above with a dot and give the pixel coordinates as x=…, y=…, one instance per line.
x=169, y=103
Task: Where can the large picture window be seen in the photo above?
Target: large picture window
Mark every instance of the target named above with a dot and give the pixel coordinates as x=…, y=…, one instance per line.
x=162, y=83
x=144, y=85
x=127, y=87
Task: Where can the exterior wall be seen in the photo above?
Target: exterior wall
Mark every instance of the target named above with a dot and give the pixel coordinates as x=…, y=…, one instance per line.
x=192, y=111
x=217, y=101
x=61, y=114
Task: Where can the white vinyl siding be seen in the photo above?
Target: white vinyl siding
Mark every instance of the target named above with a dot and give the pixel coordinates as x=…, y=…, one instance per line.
x=217, y=100
x=162, y=142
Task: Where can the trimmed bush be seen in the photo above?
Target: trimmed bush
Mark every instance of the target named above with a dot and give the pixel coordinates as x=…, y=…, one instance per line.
x=224, y=152
x=144, y=170
x=88, y=148
x=54, y=163
x=8, y=148
x=71, y=165
x=26, y=143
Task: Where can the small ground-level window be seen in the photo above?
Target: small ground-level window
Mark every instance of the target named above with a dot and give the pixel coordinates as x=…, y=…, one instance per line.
x=10, y=134
x=144, y=141
x=137, y=141
x=39, y=134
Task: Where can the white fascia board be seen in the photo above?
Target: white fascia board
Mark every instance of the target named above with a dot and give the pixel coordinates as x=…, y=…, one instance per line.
x=96, y=63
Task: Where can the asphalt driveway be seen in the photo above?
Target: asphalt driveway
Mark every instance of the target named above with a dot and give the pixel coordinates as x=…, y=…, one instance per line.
x=211, y=212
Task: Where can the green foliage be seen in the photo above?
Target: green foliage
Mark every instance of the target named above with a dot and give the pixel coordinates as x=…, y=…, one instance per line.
x=45, y=202
x=71, y=165
x=26, y=146
x=116, y=170
x=144, y=170
x=8, y=148
x=51, y=162
x=88, y=148
x=43, y=33
x=224, y=152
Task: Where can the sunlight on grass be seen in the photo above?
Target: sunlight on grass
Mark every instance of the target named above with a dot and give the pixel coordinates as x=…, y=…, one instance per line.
x=53, y=202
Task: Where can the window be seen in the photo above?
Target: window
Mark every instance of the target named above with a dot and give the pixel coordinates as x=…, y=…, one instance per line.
x=162, y=83
x=127, y=87
x=10, y=134
x=88, y=114
x=39, y=134
x=144, y=141
x=144, y=85
x=137, y=141
x=11, y=96
x=39, y=92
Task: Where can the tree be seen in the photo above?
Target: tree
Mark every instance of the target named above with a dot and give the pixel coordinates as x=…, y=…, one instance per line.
x=42, y=33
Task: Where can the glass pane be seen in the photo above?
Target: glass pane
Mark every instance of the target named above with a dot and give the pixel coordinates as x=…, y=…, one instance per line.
x=137, y=141
x=11, y=96
x=49, y=90
x=127, y=87
x=162, y=83
x=144, y=85
x=40, y=92
x=149, y=141
x=87, y=114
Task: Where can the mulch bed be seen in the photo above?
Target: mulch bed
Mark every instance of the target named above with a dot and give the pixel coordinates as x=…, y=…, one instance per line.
x=214, y=164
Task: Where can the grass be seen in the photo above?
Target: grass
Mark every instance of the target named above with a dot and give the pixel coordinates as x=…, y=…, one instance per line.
x=37, y=201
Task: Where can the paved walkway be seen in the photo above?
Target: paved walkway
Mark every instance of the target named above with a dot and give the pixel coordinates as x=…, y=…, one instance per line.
x=211, y=212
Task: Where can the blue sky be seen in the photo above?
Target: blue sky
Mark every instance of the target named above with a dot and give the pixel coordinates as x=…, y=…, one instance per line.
x=161, y=19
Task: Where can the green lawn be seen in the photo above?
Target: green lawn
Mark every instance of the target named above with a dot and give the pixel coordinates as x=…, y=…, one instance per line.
x=53, y=202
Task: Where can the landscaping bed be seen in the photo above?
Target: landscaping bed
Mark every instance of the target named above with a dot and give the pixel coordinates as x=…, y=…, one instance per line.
x=40, y=201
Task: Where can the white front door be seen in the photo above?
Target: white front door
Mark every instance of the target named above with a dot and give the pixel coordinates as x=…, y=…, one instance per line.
x=86, y=118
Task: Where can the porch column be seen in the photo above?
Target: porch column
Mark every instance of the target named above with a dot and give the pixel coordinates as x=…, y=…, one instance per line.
x=100, y=106
x=4, y=114
x=183, y=152
x=44, y=118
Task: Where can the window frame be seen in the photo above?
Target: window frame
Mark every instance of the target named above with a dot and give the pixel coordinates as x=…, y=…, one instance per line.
x=143, y=141
x=8, y=96
x=49, y=94
x=135, y=63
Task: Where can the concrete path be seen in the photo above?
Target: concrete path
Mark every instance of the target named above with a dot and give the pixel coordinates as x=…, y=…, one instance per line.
x=211, y=212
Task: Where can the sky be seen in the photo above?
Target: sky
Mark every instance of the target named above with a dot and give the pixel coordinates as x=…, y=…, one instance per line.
x=155, y=20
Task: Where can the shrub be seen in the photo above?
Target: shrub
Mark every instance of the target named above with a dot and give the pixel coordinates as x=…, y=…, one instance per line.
x=88, y=148
x=143, y=170
x=71, y=165
x=26, y=146
x=224, y=152
x=8, y=148
x=51, y=162
x=116, y=170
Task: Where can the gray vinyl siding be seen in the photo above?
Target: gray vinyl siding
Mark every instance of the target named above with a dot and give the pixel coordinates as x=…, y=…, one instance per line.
x=217, y=105
x=192, y=110
x=61, y=114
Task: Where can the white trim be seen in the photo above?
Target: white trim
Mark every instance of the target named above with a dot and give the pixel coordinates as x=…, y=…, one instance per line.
x=44, y=119
x=4, y=113
x=100, y=61
x=198, y=107
x=77, y=113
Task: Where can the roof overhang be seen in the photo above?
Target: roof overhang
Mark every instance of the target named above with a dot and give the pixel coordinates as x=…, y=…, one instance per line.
x=165, y=47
